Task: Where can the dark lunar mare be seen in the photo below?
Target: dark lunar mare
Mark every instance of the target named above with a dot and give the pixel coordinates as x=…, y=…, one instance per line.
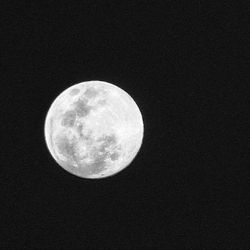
x=114, y=156
x=91, y=92
x=68, y=118
x=66, y=148
x=74, y=92
x=107, y=140
x=87, y=136
x=82, y=108
x=97, y=167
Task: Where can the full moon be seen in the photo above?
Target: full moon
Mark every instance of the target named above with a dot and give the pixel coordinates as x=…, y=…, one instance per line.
x=94, y=129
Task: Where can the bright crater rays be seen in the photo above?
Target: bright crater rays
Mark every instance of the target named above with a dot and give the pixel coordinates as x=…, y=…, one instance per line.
x=94, y=129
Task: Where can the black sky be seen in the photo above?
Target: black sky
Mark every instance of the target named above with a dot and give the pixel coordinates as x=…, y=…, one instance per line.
x=186, y=66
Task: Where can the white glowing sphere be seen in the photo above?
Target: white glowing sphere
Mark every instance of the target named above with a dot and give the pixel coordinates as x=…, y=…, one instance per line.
x=94, y=129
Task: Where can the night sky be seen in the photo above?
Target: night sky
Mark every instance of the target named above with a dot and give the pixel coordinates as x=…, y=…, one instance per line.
x=185, y=64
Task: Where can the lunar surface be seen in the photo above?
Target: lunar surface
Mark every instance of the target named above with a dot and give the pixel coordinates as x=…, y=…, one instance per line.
x=94, y=129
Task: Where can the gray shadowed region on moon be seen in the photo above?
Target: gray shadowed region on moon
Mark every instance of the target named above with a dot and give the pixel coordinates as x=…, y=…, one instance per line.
x=74, y=92
x=68, y=118
x=98, y=131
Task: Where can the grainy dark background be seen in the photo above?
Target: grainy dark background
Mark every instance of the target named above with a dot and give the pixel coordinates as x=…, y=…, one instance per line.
x=186, y=65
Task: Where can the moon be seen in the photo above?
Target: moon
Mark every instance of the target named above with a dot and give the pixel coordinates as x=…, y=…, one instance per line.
x=94, y=129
